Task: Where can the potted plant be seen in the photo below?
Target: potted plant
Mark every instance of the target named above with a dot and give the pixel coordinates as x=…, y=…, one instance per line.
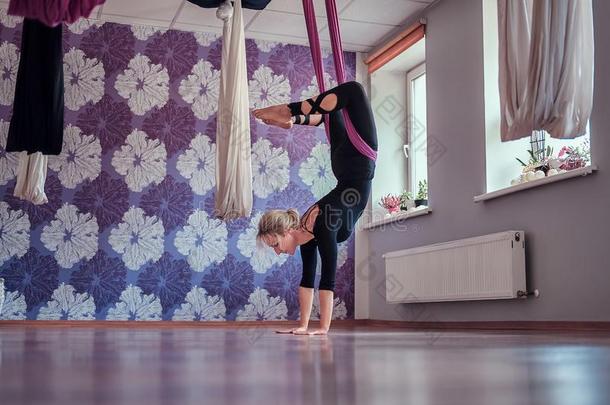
x=422, y=193
x=405, y=200
x=573, y=157
x=537, y=162
x=391, y=203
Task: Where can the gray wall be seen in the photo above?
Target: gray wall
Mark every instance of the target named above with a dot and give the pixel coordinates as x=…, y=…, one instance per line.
x=566, y=223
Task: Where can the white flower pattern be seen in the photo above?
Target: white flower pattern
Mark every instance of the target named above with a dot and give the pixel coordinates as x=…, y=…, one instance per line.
x=80, y=158
x=267, y=88
x=201, y=89
x=71, y=235
x=139, y=238
x=134, y=305
x=270, y=168
x=9, y=161
x=203, y=240
x=83, y=24
x=9, y=21
x=83, y=79
x=9, y=64
x=316, y=171
x=14, y=307
x=14, y=233
x=66, y=303
x=198, y=306
x=314, y=90
x=265, y=46
x=198, y=164
x=262, y=258
x=143, y=84
x=205, y=39
x=339, y=308
x=141, y=160
x=261, y=307
x=143, y=32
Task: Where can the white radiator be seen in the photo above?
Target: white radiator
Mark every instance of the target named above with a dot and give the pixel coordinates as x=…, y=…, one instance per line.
x=481, y=268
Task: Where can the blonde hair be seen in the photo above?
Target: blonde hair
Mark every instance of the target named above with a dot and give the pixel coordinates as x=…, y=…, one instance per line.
x=277, y=222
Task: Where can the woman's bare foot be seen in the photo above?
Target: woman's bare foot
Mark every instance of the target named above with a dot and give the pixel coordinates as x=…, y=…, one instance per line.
x=285, y=125
x=277, y=113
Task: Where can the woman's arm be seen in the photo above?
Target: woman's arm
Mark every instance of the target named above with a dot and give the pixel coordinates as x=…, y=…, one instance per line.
x=327, y=246
x=309, y=256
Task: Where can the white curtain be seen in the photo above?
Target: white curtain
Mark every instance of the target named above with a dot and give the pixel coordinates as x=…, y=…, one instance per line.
x=546, y=67
x=233, y=159
x=31, y=175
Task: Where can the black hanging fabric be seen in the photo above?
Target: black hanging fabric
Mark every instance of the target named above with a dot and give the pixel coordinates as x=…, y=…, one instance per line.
x=38, y=110
x=252, y=4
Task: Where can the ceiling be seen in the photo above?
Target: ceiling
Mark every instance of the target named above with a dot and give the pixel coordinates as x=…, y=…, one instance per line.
x=364, y=23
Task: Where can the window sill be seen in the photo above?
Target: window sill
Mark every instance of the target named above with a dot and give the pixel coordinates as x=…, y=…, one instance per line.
x=401, y=216
x=583, y=171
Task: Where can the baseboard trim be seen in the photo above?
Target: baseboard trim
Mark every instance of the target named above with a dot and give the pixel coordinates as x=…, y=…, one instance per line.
x=149, y=324
x=570, y=326
x=544, y=326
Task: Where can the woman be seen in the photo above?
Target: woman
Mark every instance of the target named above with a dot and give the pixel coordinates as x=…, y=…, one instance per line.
x=330, y=220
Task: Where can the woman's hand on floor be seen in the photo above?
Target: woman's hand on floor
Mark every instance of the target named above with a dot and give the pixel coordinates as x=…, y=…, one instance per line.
x=300, y=330
x=318, y=332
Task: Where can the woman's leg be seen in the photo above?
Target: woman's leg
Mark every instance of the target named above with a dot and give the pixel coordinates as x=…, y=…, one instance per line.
x=349, y=95
x=324, y=103
x=311, y=120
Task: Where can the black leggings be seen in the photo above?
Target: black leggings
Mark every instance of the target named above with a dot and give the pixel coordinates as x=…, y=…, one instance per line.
x=351, y=96
x=341, y=208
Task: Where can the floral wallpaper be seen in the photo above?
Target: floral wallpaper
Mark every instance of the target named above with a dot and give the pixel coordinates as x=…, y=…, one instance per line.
x=128, y=233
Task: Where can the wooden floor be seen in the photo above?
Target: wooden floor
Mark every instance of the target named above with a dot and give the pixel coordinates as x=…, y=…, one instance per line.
x=252, y=365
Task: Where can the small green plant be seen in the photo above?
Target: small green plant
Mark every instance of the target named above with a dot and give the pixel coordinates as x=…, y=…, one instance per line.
x=536, y=160
x=405, y=197
x=422, y=190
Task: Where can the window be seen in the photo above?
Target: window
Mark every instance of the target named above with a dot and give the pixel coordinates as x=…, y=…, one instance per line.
x=503, y=169
x=415, y=149
x=398, y=99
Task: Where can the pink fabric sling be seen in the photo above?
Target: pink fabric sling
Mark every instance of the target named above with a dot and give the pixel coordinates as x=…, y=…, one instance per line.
x=53, y=12
x=316, y=54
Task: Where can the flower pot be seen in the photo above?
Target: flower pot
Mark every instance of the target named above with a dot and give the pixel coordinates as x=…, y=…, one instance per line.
x=543, y=168
x=392, y=210
x=421, y=202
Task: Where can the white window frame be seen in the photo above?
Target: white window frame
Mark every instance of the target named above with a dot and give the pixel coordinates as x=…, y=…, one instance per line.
x=412, y=75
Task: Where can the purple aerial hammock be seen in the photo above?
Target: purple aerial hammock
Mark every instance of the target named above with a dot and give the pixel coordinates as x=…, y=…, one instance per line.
x=316, y=54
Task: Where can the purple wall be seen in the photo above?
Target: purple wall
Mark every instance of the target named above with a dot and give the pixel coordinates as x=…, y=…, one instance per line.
x=566, y=223
x=127, y=232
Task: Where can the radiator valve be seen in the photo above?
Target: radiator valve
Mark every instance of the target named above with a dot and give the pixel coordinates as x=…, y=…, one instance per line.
x=525, y=294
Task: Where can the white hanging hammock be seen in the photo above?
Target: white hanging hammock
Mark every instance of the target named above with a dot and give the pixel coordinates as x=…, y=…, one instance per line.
x=31, y=176
x=233, y=149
